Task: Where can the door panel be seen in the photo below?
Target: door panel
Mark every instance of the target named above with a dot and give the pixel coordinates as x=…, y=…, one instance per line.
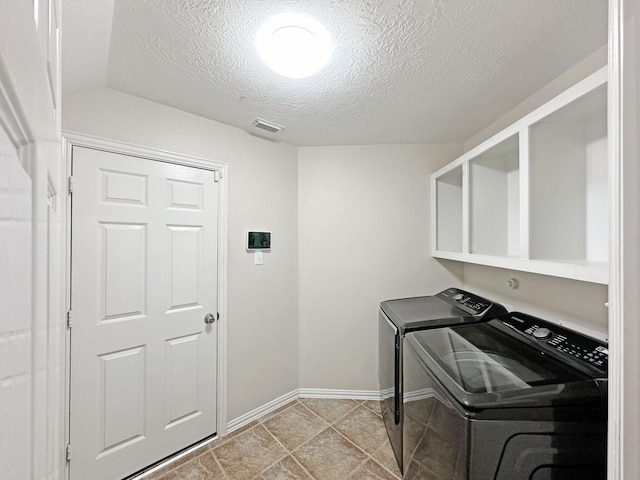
x=121, y=398
x=184, y=262
x=144, y=274
x=123, y=291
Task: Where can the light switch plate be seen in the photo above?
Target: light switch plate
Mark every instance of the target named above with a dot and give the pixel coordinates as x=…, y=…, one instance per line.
x=257, y=257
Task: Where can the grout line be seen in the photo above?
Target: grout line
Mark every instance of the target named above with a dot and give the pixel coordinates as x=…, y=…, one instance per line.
x=224, y=473
x=315, y=415
x=303, y=468
x=268, y=466
x=327, y=424
x=289, y=453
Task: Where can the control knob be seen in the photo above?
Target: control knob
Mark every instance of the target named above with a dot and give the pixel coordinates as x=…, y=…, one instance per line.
x=542, y=333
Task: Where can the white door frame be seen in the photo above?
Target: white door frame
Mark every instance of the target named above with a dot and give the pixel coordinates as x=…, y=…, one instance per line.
x=624, y=306
x=71, y=139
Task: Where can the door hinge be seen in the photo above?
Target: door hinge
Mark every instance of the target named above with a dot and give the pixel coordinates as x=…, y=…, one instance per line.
x=69, y=318
x=68, y=452
x=217, y=175
x=70, y=185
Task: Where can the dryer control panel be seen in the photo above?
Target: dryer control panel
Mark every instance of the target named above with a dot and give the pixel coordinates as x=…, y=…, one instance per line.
x=567, y=342
x=468, y=301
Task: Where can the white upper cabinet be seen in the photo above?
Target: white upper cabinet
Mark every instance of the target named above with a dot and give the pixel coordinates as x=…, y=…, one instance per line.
x=533, y=197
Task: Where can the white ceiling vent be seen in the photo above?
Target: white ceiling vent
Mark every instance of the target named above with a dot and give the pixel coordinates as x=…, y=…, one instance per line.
x=268, y=126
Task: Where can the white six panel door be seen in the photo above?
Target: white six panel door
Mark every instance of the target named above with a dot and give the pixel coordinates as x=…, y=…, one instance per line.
x=144, y=275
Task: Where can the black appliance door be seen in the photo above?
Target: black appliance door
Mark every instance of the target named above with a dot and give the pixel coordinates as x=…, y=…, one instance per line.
x=484, y=367
x=434, y=434
x=390, y=377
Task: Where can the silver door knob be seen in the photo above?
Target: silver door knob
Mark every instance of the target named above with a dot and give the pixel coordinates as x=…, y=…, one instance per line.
x=209, y=318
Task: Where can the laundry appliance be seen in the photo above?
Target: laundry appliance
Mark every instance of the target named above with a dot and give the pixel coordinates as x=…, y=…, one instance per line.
x=515, y=397
x=396, y=319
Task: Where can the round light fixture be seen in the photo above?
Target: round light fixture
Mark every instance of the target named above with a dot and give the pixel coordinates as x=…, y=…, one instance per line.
x=294, y=46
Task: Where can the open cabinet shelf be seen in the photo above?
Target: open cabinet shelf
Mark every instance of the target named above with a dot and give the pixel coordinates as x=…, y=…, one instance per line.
x=534, y=197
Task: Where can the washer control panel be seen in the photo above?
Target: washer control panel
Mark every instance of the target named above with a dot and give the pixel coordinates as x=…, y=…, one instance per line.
x=567, y=342
x=460, y=298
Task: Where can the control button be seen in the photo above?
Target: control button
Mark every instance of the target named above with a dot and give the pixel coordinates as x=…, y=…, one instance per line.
x=458, y=296
x=542, y=333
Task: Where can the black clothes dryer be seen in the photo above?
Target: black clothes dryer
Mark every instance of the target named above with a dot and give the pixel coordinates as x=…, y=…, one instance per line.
x=401, y=316
x=511, y=398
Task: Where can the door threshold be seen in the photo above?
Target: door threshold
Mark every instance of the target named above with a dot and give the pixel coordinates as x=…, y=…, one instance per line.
x=173, y=458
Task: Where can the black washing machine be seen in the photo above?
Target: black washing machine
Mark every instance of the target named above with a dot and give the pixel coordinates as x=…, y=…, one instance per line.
x=401, y=316
x=513, y=398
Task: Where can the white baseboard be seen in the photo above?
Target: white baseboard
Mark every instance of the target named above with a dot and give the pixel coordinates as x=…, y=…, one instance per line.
x=339, y=394
x=259, y=412
x=416, y=395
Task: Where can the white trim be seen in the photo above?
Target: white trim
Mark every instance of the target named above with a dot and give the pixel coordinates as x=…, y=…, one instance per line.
x=339, y=394
x=615, y=453
x=173, y=459
x=586, y=271
x=12, y=118
x=269, y=407
x=259, y=412
x=65, y=211
x=71, y=139
x=525, y=194
x=221, y=370
x=416, y=395
x=100, y=143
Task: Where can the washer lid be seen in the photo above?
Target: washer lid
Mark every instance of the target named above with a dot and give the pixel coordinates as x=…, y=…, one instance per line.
x=419, y=312
x=483, y=366
x=449, y=307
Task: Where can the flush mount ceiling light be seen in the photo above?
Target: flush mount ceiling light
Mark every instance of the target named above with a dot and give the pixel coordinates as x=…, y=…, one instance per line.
x=294, y=46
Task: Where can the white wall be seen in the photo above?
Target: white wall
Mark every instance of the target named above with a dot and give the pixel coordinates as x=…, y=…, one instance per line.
x=15, y=328
x=578, y=305
x=573, y=75
x=31, y=334
x=262, y=184
x=364, y=237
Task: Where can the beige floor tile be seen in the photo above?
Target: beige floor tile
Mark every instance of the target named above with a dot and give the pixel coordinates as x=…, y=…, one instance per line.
x=262, y=449
x=230, y=436
x=164, y=474
x=364, y=428
x=329, y=456
x=285, y=469
x=249, y=453
x=372, y=471
x=373, y=405
x=384, y=456
x=278, y=411
x=295, y=425
x=203, y=467
x=330, y=409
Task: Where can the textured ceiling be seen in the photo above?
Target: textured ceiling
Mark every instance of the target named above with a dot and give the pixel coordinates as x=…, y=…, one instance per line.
x=402, y=71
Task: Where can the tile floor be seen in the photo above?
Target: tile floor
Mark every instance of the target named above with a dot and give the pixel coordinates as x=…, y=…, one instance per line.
x=308, y=439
